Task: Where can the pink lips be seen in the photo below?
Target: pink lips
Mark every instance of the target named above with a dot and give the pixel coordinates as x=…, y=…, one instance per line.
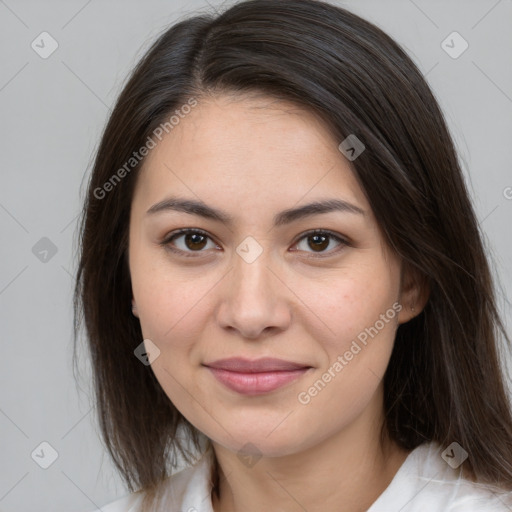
x=255, y=377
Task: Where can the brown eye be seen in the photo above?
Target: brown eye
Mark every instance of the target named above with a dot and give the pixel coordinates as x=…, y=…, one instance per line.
x=188, y=241
x=318, y=241
x=195, y=241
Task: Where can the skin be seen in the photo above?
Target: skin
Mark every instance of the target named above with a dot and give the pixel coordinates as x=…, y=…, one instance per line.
x=253, y=156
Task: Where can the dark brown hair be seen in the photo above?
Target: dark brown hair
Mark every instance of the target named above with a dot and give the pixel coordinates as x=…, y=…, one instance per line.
x=444, y=380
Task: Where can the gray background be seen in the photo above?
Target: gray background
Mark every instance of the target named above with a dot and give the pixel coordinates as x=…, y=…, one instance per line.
x=52, y=114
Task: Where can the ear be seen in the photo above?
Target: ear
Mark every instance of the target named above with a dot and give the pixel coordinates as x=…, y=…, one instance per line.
x=134, y=309
x=414, y=293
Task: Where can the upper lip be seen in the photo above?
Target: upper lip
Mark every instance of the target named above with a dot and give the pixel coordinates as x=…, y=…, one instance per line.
x=265, y=364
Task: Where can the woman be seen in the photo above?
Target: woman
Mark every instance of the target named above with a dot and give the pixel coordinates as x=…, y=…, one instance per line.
x=283, y=281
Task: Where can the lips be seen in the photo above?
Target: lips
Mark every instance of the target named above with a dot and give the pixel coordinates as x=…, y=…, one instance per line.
x=256, y=377
x=265, y=364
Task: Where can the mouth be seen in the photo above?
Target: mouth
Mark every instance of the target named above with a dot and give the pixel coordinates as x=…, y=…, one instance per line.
x=256, y=377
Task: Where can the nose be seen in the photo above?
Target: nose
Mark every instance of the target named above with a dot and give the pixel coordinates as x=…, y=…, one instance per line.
x=254, y=300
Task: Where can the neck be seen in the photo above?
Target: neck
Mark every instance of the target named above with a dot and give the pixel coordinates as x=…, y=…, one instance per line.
x=350, y=469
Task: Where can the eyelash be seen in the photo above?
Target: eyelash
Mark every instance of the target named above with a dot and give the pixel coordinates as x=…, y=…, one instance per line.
x=190, y=254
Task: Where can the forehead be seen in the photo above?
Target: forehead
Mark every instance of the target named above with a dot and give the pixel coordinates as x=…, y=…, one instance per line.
x=249, y=148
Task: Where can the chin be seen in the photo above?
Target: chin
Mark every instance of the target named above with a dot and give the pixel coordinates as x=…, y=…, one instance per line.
x=263, y=441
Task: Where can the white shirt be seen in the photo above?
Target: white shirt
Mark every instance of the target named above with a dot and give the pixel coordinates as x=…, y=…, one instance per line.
x=424, y=482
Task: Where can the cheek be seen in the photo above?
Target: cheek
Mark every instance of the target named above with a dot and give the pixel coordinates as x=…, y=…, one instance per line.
x=171, y=305
x=347, y=305
x=362, y=316
x=173, y=314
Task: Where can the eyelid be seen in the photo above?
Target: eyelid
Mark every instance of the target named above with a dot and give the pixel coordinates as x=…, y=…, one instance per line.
x=185, y=231
x=166, y=242
x=343, y=241
x=325, y=231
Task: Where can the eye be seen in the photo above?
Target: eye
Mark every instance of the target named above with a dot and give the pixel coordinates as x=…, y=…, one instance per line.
x=319, y=240
x=190, y=241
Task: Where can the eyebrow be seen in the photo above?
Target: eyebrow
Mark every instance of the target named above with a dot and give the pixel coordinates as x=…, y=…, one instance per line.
x=288, y=216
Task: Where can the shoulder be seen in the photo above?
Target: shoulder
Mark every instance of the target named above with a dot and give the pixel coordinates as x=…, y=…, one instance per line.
x=427, y=482
x=187, y=489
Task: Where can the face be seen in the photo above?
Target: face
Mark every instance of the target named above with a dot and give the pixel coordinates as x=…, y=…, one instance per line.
x=252, y=281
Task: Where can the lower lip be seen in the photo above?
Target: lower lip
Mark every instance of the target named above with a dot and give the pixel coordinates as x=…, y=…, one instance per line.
x=256, y=383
